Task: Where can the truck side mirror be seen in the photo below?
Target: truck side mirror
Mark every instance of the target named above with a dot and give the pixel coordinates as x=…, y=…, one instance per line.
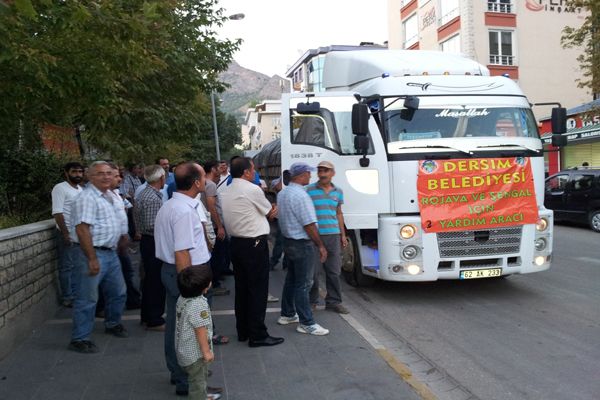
x=559, y=120
x=361, y=144
x=559, y=126
x=559, y=140
x=308, y=108
x=360, y=120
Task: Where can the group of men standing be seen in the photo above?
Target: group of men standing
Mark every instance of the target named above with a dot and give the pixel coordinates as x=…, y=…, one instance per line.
x=173, y=236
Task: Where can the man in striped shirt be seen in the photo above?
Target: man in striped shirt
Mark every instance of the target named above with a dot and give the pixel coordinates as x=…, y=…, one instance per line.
x=328, y=199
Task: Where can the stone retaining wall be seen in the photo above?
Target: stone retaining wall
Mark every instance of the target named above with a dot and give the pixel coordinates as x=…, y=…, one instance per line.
x=28, y=284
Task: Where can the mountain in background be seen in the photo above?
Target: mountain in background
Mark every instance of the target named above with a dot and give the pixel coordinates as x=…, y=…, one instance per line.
x=249, y=87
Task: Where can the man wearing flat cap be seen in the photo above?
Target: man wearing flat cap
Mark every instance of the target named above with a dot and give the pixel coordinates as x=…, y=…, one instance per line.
x=328, y=199
x=298, y=224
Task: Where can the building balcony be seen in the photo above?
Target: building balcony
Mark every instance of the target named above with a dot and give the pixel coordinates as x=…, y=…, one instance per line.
x=500, y=7
x=448, y=17
x=502, y=60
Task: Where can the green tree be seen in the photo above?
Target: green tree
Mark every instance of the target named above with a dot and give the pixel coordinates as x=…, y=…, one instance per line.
x=132, y=72
x=586, y=37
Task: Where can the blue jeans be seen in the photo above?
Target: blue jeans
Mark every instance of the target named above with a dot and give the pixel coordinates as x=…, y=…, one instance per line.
x=168, y=276
x=109, y=280
x=298, y=257
x=66, y=271
x=277, y=249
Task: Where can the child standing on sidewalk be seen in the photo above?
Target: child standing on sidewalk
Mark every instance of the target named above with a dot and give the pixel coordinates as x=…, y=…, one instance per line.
x=193, y=330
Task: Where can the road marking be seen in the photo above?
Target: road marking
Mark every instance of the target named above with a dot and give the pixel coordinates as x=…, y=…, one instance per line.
x=589, y=259
x=399, y=367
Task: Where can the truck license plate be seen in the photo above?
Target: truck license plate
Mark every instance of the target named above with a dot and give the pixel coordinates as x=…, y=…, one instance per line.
x=481, y=273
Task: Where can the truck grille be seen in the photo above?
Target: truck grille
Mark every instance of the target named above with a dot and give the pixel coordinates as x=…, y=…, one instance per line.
x=479, y=243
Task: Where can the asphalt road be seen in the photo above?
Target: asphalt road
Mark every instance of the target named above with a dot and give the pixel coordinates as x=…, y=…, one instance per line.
x=531, y=336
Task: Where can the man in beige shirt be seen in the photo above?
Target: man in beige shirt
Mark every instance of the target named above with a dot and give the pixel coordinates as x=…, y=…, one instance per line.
x=245, y=213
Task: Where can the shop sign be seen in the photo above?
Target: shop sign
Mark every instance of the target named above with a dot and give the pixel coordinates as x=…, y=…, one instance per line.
x=428, y=18
x=470, y=194
x=586, y=134
x=559, y=6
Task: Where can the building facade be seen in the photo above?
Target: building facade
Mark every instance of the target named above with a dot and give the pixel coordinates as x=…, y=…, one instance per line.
x=262, y=124
x=520, y=38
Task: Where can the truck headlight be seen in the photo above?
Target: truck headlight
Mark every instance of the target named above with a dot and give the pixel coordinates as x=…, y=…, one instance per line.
x=540, y=244
x=541, y=224
x=413, y=269
x=407, y=231
x=539, y=260
x=410, y=252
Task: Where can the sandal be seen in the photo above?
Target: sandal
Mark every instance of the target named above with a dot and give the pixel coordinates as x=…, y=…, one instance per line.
x=219, y=340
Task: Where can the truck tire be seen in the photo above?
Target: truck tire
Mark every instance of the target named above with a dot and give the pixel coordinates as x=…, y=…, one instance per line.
x=351, y=265
x=594, y=219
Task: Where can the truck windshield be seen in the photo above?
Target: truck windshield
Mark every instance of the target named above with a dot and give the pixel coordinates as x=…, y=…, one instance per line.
x=435, y=123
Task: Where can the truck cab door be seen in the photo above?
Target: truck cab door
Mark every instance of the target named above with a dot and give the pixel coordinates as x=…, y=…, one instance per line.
x=325, y=134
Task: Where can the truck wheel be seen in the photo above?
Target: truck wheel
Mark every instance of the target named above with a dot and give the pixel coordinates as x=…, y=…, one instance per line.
x=351, y=265
x=594, y=219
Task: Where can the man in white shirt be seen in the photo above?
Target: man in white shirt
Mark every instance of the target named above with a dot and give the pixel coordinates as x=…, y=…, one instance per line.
x=180, y=242
x=62, y=196
x=245, y=213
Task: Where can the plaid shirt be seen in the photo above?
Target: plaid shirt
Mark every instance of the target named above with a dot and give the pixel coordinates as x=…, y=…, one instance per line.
x=129, y=184
x=146, y=207
x=296, y=210
x=99, y=210
x=192, y=313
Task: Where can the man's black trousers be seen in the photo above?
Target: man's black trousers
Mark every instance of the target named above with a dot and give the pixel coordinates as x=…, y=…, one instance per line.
x=250, y=259
x=153, y=290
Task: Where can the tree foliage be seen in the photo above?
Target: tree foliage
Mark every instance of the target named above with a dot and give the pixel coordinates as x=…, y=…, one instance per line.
x=586, y=37
x=133, y=72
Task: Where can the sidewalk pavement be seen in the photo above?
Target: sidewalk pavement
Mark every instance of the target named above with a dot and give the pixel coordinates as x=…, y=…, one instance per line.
x=341, y=365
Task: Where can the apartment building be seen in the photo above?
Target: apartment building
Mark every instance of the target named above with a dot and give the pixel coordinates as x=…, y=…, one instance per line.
x=520, y=38
x=262, y=124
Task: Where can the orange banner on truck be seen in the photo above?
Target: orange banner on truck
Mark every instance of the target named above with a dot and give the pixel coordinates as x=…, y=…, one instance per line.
x=472, y=194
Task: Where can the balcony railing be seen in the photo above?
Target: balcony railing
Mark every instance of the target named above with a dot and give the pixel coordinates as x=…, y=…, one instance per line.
x=502, y=60
x=505, y=8
x=448, y=17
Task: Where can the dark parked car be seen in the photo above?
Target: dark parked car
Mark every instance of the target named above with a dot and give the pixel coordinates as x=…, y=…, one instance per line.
x=574, y=195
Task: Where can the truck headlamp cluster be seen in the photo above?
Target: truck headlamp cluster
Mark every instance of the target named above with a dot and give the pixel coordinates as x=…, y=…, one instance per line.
x=408, y=231
x=541, y=224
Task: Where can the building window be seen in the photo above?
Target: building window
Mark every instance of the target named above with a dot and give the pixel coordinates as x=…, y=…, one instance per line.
x=449, y=9
x=411, y=31
x=501, y=48
x=276, y=123
x=500, y=6
x=451, y=45
x=315, y=74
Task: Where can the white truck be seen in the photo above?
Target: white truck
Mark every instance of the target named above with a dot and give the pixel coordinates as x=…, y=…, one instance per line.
x=441, y=165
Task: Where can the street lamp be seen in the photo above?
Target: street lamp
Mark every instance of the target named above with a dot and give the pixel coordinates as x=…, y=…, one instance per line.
x=233, y=17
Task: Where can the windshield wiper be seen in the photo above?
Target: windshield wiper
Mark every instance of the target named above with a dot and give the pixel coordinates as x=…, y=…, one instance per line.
x=510, y=145
x=437, y=146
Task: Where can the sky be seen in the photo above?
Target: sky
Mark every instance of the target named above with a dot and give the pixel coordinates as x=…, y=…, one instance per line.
x=277, y=32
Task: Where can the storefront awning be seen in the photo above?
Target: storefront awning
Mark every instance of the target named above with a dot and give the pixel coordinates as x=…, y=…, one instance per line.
x=577, y=134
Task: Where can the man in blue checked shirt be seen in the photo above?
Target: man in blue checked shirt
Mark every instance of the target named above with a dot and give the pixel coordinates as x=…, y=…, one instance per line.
x=301, y=245
x=99, y=228
x=328, y=200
